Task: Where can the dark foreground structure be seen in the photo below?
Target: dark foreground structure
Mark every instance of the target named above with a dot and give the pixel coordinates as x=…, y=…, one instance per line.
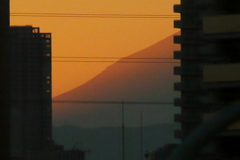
x=210, y=67
x=31, y=108
x=74, y=154
x=5, y=81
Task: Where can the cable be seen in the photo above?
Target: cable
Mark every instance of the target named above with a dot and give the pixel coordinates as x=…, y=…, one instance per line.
x=114, y=61
x=114, y=58
x=92, y=15
x=119, y=59
x=111, y=102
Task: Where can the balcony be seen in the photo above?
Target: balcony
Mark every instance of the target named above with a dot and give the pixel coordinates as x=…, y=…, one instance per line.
x=221, y=73
x=177, y=8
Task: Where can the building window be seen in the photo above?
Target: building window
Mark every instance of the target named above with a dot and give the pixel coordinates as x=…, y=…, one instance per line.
x=48, y=36
x=35, y=30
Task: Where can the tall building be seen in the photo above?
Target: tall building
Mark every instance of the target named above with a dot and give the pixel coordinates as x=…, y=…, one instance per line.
x=31, y=127
x=210, y=67
x=4, y=82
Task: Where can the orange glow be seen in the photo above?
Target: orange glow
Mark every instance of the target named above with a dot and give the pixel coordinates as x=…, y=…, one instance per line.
x=92, y=37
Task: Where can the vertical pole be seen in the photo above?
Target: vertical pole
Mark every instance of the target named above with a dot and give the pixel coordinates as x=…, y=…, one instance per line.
x=4, y=81
x=123, y=136
x=141, y=139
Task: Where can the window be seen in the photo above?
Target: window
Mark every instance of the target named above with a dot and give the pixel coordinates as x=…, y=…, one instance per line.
x=35, y=30
x=48, y=35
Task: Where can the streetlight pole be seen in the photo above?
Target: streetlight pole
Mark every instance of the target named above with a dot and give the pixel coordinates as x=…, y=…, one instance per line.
x=123, y=136
x=141, y=138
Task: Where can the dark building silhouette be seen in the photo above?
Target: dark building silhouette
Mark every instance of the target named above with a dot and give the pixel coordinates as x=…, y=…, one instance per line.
x=74, y=154
x=31, y=109
x=210, y=67
x=5, y=82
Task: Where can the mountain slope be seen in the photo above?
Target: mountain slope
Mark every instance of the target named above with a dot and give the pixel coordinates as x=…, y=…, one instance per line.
x=137, y=82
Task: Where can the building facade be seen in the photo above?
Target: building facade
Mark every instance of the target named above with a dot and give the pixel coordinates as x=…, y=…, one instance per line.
x=31, y=108
x=210, y=67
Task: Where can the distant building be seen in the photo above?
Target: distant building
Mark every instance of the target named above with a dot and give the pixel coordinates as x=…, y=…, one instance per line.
x=70, y=155
x=31, y=108
x=210, y=67
x=162, y=153
x=75, y=154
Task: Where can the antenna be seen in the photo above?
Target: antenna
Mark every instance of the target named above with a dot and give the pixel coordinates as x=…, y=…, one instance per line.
x=123, y=131
x=141, y=140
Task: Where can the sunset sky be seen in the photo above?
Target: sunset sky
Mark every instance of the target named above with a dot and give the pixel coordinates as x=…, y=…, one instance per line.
x=94, y=37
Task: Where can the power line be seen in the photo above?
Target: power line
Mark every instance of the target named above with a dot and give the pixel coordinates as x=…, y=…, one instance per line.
x=119, y=60
x=112, y=102
x=92, y=15
x=114, y=58
x=113, y=61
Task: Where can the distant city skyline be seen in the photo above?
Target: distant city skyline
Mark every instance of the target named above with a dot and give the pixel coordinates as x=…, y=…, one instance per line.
x=95, y=37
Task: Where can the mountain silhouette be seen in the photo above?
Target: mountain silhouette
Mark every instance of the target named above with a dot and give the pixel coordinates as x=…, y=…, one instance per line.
x=145, y=76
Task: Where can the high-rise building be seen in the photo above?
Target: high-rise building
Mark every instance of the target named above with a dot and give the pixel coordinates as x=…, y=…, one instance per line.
x=31, y=126
x=210, y=66
x=4, y=82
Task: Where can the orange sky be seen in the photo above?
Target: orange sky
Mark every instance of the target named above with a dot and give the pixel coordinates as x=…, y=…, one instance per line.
x=92, y=37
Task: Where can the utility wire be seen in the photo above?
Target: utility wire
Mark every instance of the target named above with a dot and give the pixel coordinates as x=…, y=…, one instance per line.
x=112, y=102
x=92, y=15
x=119, y=60
x=113, y=61
x=113, y=58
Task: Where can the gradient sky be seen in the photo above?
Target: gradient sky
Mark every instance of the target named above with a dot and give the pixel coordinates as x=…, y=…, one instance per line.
x=94, y=37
